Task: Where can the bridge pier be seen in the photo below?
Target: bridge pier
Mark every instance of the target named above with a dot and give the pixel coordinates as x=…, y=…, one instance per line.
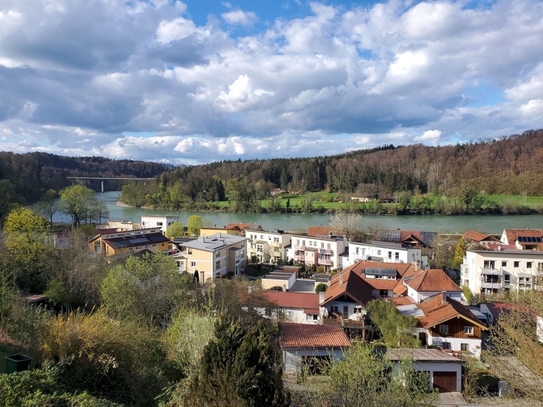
x=102, y=185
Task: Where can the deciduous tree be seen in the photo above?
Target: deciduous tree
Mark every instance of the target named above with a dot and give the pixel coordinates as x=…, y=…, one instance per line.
x=195, y=223
x=176, y=229
x=78, y=202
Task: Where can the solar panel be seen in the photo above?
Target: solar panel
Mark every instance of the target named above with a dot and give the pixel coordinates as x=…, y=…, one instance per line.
x=138, y=240
x=389, y=235
x=529, y=239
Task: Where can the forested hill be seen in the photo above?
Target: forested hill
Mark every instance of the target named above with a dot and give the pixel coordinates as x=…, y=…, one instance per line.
x=27, y=176
x=511, y=165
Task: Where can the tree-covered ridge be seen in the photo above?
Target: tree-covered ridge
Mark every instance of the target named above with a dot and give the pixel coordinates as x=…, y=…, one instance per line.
x=509, y=165
x=26, y=177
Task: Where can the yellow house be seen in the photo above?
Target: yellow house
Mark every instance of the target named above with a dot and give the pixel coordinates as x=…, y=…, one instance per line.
x=213, y=231
x=212, y=256
x=111, y=242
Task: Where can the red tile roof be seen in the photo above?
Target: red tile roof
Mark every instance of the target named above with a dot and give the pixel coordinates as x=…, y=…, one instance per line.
x=401, y=268
x=318, y=231
x=312, y=336
x=513, y=234
x=239, y=226
x=439, y=308
x=401, y=300
x=432, y=280
x=474, y=236
x=308, y=301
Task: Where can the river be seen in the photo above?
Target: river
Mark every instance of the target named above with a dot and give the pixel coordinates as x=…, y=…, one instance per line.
x=299, y=222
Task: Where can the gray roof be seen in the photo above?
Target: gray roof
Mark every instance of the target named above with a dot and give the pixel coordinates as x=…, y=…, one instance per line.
x=279, y=275
x=380, y=272
x=214, y=242
x=421, y=355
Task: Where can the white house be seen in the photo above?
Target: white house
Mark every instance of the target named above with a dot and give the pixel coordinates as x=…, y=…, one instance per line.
x=501, y=270
x=322, y=251
x=388, y=252
x=161, y=221
x=304, y=346
x=427, y=283
x=302, y=308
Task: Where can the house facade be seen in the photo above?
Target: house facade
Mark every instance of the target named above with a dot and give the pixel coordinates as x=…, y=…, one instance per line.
x=212, y=256
x=387, y=252
x=267, y=246
x=324, y=251
x=302, y=308
x=160, y=221
x=444, y=370
x=303, y=346
x=501, y=271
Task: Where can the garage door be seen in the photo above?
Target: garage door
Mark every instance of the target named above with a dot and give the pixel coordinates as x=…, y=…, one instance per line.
x=445, y=381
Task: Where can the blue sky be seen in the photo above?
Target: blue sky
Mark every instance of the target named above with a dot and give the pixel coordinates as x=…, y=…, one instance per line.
x=199, y=81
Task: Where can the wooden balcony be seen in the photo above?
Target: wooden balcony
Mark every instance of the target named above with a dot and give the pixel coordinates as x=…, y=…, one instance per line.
x=347, y=323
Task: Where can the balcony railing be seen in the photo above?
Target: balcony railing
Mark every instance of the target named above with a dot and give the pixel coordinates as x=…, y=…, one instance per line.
x=327, y=262
x=299, y=257
x=326, y=251
x=298, y=247
x=343, y=322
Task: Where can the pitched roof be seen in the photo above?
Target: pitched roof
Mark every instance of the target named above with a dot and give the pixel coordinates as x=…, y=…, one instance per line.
x=473, y=235
x=401, y=268
x=121, y=242
x=440, y=308
x=318, y=231
x=312, y=336
x=401, y=300
x=307, y=301
x=513, y=234
x=348, y=283
x=432, y=280
x=499, y=308
x=405, y=236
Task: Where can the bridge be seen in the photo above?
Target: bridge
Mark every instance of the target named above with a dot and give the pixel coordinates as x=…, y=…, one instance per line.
x=102, y=179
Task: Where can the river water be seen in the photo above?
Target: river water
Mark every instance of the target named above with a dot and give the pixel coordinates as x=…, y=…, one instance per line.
x=299, y=222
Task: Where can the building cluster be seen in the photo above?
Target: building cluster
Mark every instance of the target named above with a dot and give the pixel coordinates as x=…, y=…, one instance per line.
x=319, y=316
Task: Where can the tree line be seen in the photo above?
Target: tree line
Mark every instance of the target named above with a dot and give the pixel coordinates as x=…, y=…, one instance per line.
x=509, y=166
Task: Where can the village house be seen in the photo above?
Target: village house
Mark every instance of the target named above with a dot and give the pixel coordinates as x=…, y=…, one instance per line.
x=387, y=252
x=321, y=251
x=267, y=246
x=212, y=257
x=479, y=238
x=501, y=270
x=158, y=221
x=423, y=284
x=407, y=238
x=111, y=242
x=523, y=239
x=446, y=323
x=304, y=347
x=295, y=307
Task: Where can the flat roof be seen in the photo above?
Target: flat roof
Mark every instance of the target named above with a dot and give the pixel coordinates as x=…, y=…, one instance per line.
x=279, y=275
x=214, y=242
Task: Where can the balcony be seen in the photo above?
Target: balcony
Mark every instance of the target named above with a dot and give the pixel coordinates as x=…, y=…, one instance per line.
x=347, y=323
x=276, y=244
x=327, y=262
x=326, y=251
x=298, y=247
x=491, y=272
x=299, y=257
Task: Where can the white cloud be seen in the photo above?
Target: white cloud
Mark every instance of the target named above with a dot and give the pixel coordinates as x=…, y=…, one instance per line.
x=77, y=74
x=239, y=17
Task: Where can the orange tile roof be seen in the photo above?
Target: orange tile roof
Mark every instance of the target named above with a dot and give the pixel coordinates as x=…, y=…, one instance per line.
x=439, y=308
x=380, y=284
x=307, y=301
x=513, y=234
x=312, y=336
x=473, y=235
x=401, y=300
x=239, y=226
x=401, y=268
x=348, y=283
x=432, y=280
x=318, y=231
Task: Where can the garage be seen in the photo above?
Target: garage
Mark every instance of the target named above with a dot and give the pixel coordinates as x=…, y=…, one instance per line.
x=445, y=381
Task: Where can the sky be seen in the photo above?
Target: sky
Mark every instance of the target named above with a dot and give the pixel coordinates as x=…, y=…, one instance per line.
x=200, y=81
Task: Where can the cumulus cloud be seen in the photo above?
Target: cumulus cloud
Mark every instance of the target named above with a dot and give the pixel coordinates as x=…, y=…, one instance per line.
x=86, y=77
x=239, y=17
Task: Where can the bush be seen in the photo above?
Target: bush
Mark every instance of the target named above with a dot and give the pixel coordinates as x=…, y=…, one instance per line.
x=321, y=288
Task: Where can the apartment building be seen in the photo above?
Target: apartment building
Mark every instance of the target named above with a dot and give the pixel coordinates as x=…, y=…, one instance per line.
x=322, y=251
x=212, y=256
x=501, y=270
x=111, y=242
x=387, y=252
x=267, y=246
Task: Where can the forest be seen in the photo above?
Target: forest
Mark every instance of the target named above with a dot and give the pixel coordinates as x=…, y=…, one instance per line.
x=465, y=174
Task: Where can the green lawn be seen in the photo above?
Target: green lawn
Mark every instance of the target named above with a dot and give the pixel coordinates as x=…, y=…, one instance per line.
x=530, y=201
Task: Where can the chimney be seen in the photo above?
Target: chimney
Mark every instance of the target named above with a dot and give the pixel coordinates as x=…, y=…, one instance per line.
x=443, y=297
x=340, y=276
x=321, y=297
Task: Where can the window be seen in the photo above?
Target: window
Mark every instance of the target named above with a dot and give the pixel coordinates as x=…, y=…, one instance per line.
x=159, y=223
x=322, y=245
x=193, y=264
x=356, y=250
x=390, y=255
x=504, y=263
x=490, y=264
x=218, y=264
x=334, y=308
x=444, y=329
x=445, y=345
x=516, y=264
x=464, y=347
x=529, y=264
x=468, y=330
x=378, y=252
x=397, y=256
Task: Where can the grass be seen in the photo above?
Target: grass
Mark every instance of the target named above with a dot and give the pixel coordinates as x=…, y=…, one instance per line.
x=529, y=201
